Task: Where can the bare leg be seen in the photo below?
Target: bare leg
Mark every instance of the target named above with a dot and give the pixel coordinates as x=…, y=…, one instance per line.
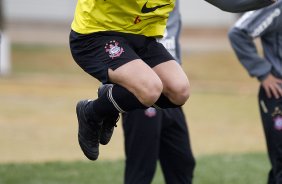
x=139, y=79
x=175, y=82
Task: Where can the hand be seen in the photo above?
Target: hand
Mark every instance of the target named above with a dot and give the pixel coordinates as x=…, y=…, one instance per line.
x=272, y=86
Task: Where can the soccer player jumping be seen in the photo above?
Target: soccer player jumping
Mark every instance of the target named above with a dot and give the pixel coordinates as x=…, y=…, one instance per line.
x=115, y=42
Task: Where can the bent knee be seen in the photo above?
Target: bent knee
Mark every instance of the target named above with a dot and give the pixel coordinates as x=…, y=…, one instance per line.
x=179, y=94
x=182, y=95
x=150, y=92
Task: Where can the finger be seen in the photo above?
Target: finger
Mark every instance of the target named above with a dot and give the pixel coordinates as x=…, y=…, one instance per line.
x=279, y=81
x=279, y=90
x=268, y=93
x=274, y=91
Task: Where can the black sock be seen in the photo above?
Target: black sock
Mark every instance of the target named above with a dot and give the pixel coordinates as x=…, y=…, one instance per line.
x=117, y=99
x=163, y=102
x=125, y=99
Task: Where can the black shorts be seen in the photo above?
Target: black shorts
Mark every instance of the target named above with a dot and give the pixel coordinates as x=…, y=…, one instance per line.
x=95, y=53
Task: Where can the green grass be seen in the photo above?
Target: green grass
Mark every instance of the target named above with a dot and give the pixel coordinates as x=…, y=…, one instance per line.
x=251, y=168
x=212, y=169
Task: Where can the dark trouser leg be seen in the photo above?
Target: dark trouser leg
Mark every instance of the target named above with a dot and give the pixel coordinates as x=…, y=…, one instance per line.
x=176, y=157
x=141, y=133
x=271, y=115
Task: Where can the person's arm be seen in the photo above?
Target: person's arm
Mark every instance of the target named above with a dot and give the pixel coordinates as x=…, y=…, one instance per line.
x=238, y=6
x=246, y=52
x=260, y=23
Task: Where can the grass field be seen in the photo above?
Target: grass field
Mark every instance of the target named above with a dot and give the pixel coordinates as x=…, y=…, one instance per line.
x=212, y=169
x=38, y=125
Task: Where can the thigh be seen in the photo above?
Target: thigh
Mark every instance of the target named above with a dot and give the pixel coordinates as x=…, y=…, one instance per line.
x=134, y=75
x=163, y=63
x=137, y=77
x=175, y=83
x=171, y=75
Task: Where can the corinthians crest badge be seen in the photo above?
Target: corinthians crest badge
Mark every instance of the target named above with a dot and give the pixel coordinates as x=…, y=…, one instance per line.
x=278, y=123
x=113, y=49
x=150, y=112
x=277, y=118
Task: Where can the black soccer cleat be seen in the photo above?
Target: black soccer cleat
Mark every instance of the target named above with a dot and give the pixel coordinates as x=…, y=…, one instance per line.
x=109, y=122
x=88, y=131
x=108, y=128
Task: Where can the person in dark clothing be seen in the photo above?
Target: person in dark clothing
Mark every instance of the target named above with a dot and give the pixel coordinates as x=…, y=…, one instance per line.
x=265, y=24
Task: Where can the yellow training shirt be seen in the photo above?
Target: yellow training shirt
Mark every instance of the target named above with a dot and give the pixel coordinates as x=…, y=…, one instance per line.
x=144, y=17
